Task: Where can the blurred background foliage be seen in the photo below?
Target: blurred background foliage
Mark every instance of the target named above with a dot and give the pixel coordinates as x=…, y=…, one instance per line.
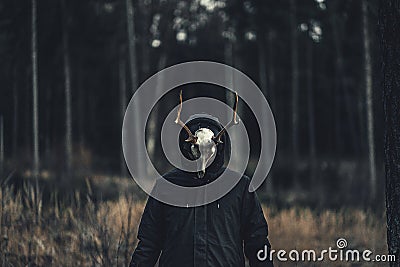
x=315, y=61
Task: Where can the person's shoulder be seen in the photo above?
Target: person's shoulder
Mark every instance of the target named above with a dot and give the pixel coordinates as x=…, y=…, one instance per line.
x=172, y=174
x=243, y=177
x=244, y=180
x=177, y=177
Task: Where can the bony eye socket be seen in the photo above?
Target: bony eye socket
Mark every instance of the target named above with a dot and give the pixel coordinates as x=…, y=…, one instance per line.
x=195, y=151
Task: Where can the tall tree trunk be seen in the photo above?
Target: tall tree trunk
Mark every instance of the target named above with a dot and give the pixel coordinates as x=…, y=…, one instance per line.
x=67, y=87
x=369, y=101
x=271, y=68
x=235, y=61
x=311, y=112
x=131, y=44
x=338, y=83
x=262, y=65
x=228, y=58
x=153, y=123
x=145, y=40
x=389, y=17
x=266, y=89
x=15, y=117
x=1, y=147
x=48, y=127
x=272, y=99
x=81, y=104
x=134, y=75
x=295, y=88
x=35, y=113
x=340, y=89
x=27, y=115
x=35, y=106
x=122, y=100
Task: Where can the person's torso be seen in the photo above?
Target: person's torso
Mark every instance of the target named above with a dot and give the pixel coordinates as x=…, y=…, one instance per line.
x=208, y=235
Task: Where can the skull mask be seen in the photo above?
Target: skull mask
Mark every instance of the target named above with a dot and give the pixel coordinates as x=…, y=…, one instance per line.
x=204, y=142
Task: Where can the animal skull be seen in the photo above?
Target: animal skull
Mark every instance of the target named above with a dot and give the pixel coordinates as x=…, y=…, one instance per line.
x=204, y=142
x=204, y=149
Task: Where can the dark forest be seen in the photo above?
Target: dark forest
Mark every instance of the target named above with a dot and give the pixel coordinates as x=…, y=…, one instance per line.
x=69, y=68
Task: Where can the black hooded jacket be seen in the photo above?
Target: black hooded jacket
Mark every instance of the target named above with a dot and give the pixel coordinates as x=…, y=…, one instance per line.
x=217, y=234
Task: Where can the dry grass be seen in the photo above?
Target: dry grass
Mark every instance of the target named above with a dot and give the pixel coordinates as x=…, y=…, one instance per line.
x=303, y=229
x=104, y=234
x=67, y=235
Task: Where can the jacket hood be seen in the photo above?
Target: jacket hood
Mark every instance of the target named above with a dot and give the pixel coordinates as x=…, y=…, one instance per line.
x=196, y=122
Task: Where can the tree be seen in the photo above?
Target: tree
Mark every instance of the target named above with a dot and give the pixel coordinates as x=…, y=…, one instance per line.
x=389, y=16
x=295, y=86
x=36, y=162
x=67, y=87
x=1, y=146
x=15, y=115
x=122, y=99
x=266, y=83
x=311, y=111
x=369, y=100
x=133, y=69
x=342, y=92
x=131, y=44
x=231, y=58
x=35, y=112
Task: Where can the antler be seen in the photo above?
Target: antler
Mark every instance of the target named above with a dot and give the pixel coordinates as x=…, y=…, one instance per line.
x=234, y=121
x=191, y=138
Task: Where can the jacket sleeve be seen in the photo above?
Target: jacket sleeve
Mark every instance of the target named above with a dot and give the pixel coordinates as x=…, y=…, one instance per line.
x=150, y=235
x=255, y=232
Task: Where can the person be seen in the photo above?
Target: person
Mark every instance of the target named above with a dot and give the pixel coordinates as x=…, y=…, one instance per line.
x=221, y=233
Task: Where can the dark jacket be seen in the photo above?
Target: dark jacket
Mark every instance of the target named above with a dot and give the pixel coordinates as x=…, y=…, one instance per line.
x=217, y=234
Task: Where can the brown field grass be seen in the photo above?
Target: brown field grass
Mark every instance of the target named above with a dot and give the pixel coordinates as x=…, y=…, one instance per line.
x=303, y=229
x=104, y=234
